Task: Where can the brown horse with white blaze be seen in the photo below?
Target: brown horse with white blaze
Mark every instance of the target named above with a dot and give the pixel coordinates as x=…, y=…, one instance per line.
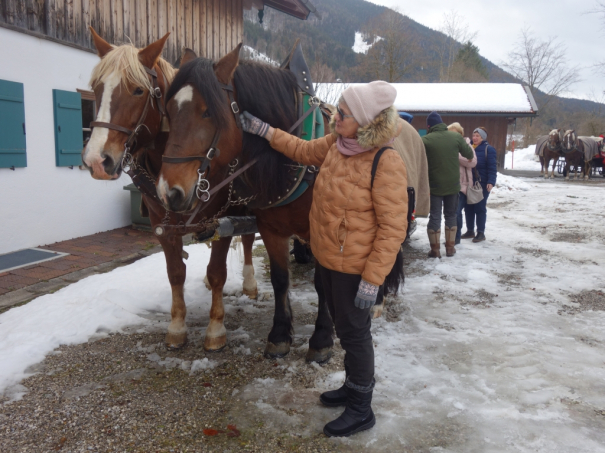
x=203, y=104
x=550, y=149
x=130, y=85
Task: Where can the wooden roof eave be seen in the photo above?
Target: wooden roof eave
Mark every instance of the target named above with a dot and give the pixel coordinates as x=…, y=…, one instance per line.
x=455, y=113
x=301, y=9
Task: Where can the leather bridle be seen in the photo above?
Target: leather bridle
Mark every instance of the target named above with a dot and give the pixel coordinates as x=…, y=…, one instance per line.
x=155, y=94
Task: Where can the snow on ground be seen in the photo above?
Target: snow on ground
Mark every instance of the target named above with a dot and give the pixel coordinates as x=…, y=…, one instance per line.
x=487, y=356
x=97, y=304
x=361, y=46
x=506, y=183
x=254, y=54
x=523, y=159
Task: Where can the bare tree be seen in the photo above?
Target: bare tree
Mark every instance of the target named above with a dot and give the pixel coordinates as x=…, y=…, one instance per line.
x=541, y=65
x=454, y=31
x=394, y=51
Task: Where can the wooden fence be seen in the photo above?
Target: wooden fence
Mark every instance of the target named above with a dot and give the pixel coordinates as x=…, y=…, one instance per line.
x=210, y=27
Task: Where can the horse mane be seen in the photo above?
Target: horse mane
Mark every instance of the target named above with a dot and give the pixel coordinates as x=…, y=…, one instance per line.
x=268, y=93
x=200, y=74
x=125, y=59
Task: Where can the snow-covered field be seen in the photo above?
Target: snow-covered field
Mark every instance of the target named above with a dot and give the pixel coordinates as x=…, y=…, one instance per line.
x=490, y=353
x=523, y=159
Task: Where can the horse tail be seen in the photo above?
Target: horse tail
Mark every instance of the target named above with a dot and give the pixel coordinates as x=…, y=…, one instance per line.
x=396, y=277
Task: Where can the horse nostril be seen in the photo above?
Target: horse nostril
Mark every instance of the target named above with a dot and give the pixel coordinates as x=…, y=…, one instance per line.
x=176, y=199
x=109, y=164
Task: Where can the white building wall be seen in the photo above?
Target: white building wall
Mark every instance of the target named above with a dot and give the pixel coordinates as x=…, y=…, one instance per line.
x=42, y=203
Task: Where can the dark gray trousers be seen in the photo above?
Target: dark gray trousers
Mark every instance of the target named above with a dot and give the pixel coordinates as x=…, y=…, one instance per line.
x=448, y=204
x=352, y=324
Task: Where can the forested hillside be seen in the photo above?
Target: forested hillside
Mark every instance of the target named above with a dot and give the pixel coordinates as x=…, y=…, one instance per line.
x=422, y=54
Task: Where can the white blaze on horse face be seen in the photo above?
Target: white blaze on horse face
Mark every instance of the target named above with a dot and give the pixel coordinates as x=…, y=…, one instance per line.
x=162, y=189
x=185, y=94
x=96, y=144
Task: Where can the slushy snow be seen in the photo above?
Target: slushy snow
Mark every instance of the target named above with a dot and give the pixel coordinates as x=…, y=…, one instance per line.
x=484, y=357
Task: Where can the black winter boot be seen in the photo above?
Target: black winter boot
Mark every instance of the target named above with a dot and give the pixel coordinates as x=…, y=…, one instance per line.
x=358, y=415
x=335, y=398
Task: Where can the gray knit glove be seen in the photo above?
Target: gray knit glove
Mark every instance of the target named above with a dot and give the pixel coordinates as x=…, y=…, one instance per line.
x=253, y=125
x=366, y=295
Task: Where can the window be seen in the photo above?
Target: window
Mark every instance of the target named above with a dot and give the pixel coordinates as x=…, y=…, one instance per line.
x=422, y=132
x=12, y=125
x=67, y=109
x=89, y=113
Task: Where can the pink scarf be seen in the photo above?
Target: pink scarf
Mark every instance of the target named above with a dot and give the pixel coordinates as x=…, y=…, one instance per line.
x=351, y=147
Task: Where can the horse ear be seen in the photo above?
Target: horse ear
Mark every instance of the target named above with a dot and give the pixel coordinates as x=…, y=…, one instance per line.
x=150, y=55
x=225, y=67
x=188, y=55
x=103, y=47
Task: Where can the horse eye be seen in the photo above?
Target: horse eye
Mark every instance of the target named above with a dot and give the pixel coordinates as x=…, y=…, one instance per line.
x=206, y=114
x=137, y=92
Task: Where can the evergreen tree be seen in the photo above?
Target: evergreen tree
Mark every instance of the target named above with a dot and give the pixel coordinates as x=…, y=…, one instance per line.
x=469, y=56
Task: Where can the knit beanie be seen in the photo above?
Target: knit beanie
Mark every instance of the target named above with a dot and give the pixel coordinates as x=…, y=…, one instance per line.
x=481, y=132
x=368, y=100
x=433, y=119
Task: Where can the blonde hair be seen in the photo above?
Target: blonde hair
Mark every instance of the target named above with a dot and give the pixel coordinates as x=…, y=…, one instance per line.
x=125, y=59
x=456, y=127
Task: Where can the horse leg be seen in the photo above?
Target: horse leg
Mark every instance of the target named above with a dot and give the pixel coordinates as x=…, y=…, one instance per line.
x=566, y=171
x=554, y=164
x=587, y=169
x=321, y=342
x=216, y=334
x=542, y=165
x=545, y=168
x=280, y=337
x=176, y=337
x=250, y=288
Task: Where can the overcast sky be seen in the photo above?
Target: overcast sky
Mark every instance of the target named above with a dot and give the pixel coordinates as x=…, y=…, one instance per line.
x=498, y=23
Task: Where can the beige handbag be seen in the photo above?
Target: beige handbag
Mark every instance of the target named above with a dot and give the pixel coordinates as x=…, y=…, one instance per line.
x=474, y=193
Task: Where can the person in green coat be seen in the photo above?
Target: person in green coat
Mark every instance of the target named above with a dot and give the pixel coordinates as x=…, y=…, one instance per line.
x=442, y=148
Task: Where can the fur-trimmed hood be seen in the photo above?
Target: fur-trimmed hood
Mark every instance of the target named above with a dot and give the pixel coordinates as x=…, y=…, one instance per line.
x=380, y=131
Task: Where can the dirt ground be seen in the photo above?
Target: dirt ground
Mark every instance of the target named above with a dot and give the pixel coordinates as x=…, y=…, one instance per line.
x=125, y=392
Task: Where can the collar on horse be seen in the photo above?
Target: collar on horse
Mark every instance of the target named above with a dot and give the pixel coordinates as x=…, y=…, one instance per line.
x=154, y=95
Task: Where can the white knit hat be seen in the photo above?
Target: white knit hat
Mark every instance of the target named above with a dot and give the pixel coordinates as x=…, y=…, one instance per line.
x=368, y=100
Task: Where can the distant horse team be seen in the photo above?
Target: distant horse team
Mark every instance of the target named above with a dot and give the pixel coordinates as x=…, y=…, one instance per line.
x=578, y=152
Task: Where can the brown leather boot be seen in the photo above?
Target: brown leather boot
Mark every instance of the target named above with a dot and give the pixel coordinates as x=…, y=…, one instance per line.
x=450, y=239
x=434, y=237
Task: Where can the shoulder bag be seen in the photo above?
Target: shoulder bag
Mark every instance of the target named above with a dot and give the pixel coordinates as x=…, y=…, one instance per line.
x=474, y=193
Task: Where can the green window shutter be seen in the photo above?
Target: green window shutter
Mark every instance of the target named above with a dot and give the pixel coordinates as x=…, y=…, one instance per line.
x=12, y=125
x=67, y=108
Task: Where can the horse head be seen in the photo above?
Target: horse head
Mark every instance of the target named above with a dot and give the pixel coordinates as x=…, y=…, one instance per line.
x=128, y=84
x=569, y=140
x=554, y=139
x=205, y=138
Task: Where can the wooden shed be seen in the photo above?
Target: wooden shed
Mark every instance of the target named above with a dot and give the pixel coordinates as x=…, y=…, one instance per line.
x=210, y=27
x=45, y=104
x=494, y=106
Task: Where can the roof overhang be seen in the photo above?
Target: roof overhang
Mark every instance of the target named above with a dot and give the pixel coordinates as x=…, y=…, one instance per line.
x=301, y=9
x=494, y=114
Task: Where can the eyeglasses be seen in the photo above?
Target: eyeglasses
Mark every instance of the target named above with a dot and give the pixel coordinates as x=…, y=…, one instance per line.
x=342, y=115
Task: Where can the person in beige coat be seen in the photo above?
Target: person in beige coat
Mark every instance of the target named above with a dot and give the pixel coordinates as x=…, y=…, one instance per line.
x=466, y=178
x=357, y=228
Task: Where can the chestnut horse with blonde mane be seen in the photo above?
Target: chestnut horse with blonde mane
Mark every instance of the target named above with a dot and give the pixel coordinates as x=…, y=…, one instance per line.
x=129, y=98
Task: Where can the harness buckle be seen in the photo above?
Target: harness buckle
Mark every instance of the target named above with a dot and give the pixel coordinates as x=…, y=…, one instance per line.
x=212, y=153
x=234, y=107
x=157, y=93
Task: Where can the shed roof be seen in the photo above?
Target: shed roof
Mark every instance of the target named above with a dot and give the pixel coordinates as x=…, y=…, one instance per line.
x=300, y=9
x=501, y=99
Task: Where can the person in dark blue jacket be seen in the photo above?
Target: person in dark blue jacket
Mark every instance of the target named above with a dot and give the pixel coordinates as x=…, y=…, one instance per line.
x=487, y=167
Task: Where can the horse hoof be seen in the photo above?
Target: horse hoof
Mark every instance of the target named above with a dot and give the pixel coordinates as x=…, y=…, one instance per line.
x=322, y=356
x=207, y=283
x=251, y=293
x=216, y=344
x=377, y=311
x=176, y=341
x=276, y=351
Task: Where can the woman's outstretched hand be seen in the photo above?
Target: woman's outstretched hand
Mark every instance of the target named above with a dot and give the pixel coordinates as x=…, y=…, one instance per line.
x=366, y=295
x=253, y=125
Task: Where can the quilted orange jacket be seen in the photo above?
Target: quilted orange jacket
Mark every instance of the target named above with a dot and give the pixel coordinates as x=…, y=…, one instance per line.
x=355, y=229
